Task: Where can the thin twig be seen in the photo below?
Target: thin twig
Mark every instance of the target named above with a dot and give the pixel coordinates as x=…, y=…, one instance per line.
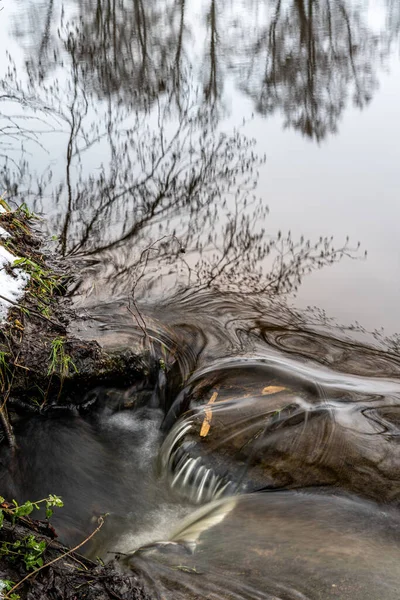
x=101, y=523
x=8, y=430
x=8, y=390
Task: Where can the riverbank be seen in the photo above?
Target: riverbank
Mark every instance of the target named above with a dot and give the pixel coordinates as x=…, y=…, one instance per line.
x=60, y=573
x=42, y=363
x=44, y=367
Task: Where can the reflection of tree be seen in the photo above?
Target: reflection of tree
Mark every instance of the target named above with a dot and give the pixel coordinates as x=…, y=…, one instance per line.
x=180, y=53
x=184, y=187
x=307, y=59
x=301, y=57
x=124, y=47
x=393, y=19
x=24, y=120
x=212, y=75
x=121, y=45
x=166, y=184
x=36, y=28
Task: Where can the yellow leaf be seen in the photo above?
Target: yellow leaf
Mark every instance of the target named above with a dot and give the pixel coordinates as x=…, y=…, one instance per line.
x=272, y=389
x=205, y=427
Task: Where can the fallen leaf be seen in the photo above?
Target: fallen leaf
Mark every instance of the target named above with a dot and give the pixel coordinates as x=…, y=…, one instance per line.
x=272, y=389
x=18, y=325
x=205, y=427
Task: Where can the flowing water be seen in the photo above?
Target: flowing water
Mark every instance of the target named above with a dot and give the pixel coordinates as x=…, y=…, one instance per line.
x=192, y=160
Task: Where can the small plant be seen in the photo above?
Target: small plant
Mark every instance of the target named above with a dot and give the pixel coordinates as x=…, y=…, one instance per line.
x=18, y=224
x=5, y=205
x=28, y=550
x=43, y=282
x=60, y=360
x=23, y=208
x=44, y=309
x=19, y=214
x=6, y=585
x=22, y=510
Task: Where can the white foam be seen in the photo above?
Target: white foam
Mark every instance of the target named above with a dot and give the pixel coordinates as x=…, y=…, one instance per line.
x=164, y=520
x=148, y=429
x=203, y=519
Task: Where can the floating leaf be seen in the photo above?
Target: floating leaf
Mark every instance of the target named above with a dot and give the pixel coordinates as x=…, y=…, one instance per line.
x=272, y=389
x=205, y=427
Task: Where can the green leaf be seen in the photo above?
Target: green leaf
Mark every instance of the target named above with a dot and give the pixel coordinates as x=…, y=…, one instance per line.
x=1, y=518
x=55, y=501
x=7, y=584
x=19, y=261
x=4, y=549
x=49, y=513
x=24, y=509
x=31, y=541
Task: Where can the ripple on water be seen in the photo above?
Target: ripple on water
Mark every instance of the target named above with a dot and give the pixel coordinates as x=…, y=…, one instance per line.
x=285, y=546
x=235, y=407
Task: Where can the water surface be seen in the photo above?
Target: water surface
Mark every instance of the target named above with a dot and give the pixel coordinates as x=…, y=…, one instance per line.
x=320, y=79
x=215, y=173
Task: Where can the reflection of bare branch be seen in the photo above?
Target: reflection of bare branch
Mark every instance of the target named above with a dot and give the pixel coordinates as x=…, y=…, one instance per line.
x=21, y=133
x=142, y=264
x=295, y=59
x=171, y=181
x=16, y=127
x=75, y=121
x=162, y=173
x=300, y=64
x=248, y=264
x=212, y=89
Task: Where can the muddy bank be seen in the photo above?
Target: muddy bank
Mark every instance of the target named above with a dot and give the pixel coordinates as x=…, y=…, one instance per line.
x=41, y=361
x=44, y=367
x=70, y=576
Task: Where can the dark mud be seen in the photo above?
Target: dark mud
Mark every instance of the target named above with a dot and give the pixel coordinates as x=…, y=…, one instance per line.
x=70, y=576
x=44, y=315
x=33, y=387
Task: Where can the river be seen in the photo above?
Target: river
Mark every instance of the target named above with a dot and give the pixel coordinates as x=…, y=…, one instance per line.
x=224, y=177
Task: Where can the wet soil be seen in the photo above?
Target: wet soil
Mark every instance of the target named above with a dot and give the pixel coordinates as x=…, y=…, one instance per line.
x=31, y=386
x=70, y=576
x=27, y=336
